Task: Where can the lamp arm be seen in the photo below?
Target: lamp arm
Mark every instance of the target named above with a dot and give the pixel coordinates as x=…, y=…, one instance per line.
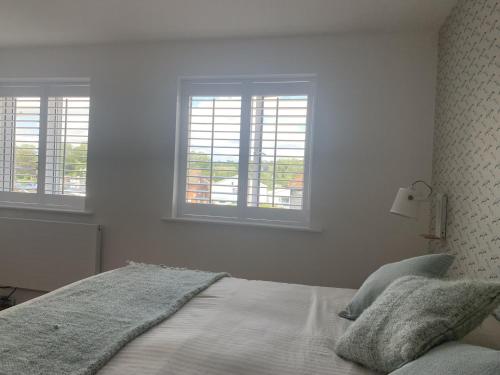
x=426, y=184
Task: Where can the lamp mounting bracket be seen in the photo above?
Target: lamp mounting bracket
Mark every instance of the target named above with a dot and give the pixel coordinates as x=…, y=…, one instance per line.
x=414, y=184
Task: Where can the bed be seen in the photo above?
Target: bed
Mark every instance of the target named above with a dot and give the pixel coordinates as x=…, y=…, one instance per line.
x=239, y=326
x=156, y=320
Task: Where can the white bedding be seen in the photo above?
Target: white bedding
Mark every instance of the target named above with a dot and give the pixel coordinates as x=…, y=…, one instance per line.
x=245, y=327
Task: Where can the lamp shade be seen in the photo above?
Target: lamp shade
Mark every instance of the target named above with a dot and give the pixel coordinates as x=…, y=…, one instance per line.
x=405, y=204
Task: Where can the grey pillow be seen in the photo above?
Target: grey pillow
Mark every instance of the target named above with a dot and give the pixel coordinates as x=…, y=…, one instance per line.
x=433, y=265
x=454, y=359
x=413, y=315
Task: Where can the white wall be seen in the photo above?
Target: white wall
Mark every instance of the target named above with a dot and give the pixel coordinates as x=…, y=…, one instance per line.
x=373, y=134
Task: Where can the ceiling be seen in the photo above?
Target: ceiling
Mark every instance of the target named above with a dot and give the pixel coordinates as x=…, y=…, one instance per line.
x=52, y=22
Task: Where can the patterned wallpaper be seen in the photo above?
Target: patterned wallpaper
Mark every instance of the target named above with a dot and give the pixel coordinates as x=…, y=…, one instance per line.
x=467, y=137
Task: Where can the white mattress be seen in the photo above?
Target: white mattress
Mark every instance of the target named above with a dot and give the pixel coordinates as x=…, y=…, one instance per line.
x=245, y=327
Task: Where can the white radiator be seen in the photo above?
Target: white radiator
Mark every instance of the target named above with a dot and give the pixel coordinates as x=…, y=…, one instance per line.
x=45, y=255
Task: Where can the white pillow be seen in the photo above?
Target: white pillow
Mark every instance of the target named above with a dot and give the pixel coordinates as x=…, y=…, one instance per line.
x=486, y=335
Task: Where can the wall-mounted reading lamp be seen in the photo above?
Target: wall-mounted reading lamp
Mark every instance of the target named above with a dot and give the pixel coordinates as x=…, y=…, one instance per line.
x=407, y=201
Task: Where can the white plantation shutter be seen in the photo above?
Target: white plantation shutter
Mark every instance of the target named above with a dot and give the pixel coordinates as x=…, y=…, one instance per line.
x=66, y=147
x=19, y=136
x=43, y=144
x=277, y=152
x=213, y=150
x=244, y=149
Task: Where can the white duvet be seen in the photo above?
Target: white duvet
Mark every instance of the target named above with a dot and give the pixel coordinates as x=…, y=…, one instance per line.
x=245, y=327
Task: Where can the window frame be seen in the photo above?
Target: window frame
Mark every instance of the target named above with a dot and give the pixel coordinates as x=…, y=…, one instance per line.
x=245, y=87
x=45, y=89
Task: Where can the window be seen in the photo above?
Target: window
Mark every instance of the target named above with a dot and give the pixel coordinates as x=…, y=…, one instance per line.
x=243, y=149
x=43, y=144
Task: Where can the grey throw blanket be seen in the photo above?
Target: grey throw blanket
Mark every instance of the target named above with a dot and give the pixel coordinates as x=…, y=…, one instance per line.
x=78, y=328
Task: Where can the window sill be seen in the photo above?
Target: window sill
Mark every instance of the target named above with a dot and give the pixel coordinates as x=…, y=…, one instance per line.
x=5, y=206
x=259, y=224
